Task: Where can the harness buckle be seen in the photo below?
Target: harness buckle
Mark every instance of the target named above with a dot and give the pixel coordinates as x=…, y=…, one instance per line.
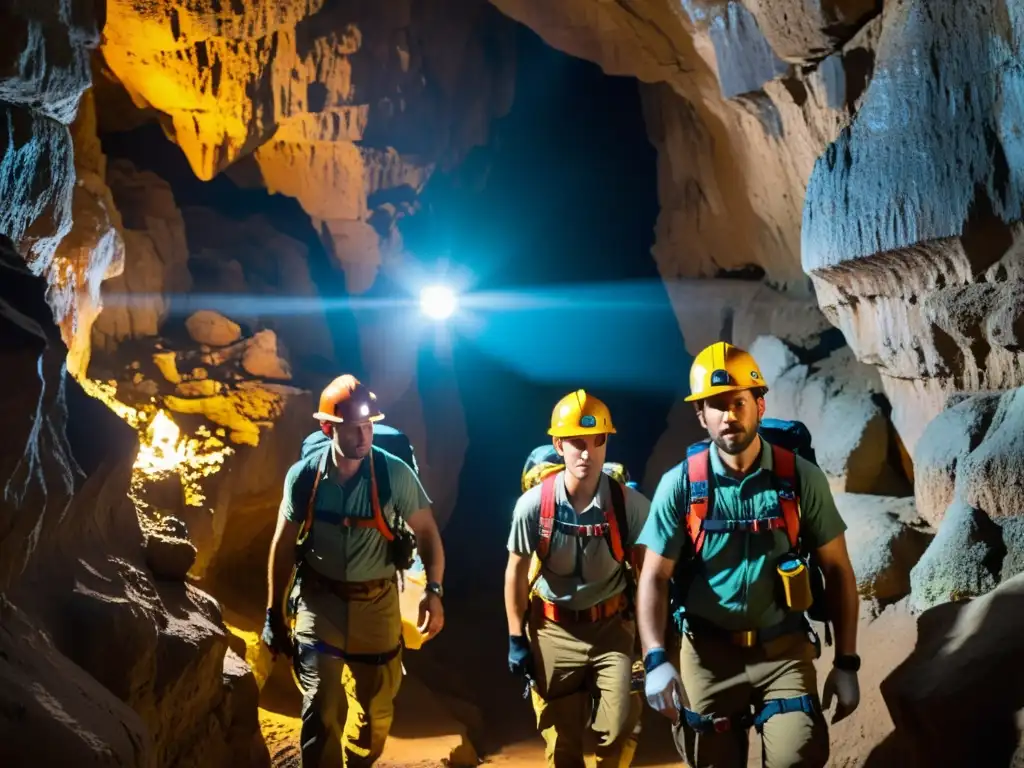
x=745, y=639
x=721, y=724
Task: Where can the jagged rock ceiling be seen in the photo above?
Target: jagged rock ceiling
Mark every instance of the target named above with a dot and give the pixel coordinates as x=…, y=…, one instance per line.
x=864, y=160
x=346, y=107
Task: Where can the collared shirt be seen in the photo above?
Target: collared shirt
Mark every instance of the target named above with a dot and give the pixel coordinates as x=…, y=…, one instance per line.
x=579, y=571
x=736, y=584
x=347, y=553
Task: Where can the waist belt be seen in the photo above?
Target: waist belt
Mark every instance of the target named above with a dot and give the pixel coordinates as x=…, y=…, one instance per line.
x=794, y=622
x=560, y=615
x=377, y=659
x=347, y=590
x=744, y=720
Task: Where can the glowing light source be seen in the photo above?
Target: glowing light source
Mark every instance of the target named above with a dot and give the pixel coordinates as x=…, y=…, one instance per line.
x=438, y=302
x=162, y=448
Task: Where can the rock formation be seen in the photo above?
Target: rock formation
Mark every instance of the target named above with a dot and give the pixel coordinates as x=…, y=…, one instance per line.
x=346, y=109
x=822, y=166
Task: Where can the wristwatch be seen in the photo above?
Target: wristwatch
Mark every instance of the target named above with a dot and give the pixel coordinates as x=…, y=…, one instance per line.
x=435, y=588
x=849, y=662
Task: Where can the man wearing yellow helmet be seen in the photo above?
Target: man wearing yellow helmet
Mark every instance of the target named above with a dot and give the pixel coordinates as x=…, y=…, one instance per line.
x=749, y=522
x=581, y=636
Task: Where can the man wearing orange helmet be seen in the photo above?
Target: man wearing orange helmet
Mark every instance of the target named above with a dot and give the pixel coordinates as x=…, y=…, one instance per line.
x=581, y=638
x=343, y=530
x=750, y=523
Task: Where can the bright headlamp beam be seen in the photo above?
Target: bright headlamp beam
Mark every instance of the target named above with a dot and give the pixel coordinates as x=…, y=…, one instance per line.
x=437, y=302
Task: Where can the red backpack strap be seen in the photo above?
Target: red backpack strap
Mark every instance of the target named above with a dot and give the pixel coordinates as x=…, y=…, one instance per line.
x=615, y=517
x=378, y=513
x=697, y=467
x=547, y=515
x=784, y=467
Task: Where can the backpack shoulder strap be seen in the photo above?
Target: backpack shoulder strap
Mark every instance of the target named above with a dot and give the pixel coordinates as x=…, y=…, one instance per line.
x=310, y=472
x=784, y=468
x=380, y=492
x=697, y=470
x=547, y=515
x=616, y=519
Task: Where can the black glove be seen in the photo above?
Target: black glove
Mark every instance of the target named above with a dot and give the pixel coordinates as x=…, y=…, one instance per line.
x=520, y=660
x=275, y=634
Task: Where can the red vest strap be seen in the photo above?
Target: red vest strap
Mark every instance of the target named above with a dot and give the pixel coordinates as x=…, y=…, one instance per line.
x=611, y=516
x=697, y=475
x=784, y=467
x=547, y=515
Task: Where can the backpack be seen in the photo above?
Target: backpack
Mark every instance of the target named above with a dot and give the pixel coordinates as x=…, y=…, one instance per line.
x=542, y=467
x=787, y=439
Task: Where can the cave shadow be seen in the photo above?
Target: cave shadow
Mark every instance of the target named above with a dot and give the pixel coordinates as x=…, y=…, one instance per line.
x=973, y=723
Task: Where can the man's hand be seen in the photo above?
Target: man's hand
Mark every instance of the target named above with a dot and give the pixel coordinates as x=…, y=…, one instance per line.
x=431, y=619
x=275, y=635
x=520, y=659
x=662, y=685
x=842, y=685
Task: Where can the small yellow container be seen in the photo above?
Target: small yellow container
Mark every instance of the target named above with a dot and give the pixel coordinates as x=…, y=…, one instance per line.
x=415, y=584
x=796, y=583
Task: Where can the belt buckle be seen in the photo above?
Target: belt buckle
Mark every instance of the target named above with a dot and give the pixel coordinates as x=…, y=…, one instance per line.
x=745, y=639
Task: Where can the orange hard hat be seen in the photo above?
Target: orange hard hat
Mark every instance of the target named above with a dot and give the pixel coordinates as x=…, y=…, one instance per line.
x=346, y=400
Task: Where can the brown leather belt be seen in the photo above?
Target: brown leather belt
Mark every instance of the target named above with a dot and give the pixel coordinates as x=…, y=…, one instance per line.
x=348, y=590
x=560, y=615
x=794, y=622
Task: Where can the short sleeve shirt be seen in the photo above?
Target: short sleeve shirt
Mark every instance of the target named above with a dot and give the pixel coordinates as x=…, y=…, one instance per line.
x=347, y=553
x=735, y=583
x=579, y=572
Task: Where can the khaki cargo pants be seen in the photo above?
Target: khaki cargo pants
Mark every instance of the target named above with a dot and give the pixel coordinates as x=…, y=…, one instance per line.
x=577, y=664
x=347, y=706
x=722, y=680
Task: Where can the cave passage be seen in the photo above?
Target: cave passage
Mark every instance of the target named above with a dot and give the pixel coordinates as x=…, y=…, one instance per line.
x=554, y=219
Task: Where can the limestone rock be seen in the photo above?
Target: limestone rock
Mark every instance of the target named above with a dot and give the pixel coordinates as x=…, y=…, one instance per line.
x=836, y=399
x=136, y=302
x=62, y=714
x=947, y=440
x=169, y=553
x=212, y=328
x=885, y=539
x=961, y=685
x=72, y=550
x=93, y=250
x=963, y=560
x=800, y=32
x=261, y=357
x=252, y=257
x=335, y=105
x=927, y=290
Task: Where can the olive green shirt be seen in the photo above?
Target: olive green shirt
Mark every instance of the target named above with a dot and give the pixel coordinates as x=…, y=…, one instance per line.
x=735, y=583
x=579, y=571
x=349, y=553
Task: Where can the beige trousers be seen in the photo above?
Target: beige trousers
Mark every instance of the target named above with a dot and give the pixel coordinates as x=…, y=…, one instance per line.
x=584, y=671
x=722, y=680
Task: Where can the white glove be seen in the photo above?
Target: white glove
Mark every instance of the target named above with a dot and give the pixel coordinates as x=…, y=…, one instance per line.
x=843, y=686
x=663, y=687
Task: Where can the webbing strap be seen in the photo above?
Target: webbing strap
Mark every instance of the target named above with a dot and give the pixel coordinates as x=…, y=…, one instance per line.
x=784, y=468
x=378, y=659
x=582, y=531
x=743, y=720
x=608, y=529
x=750, y=526
x=547, y=515
x=697, y=477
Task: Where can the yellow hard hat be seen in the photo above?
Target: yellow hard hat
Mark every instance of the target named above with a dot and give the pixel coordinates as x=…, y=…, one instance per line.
x=580, y=414
x=721, y=367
